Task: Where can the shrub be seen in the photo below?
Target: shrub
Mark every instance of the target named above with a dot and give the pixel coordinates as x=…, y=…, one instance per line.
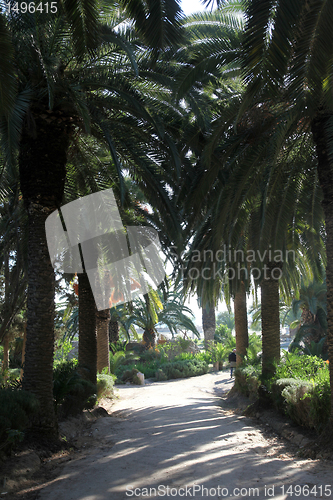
x=298, y=366
x=178, y=346
x=71, y=391
x=276, y=391
x=148, y=369
x=320, y=401
x=219, y=353
x=118, y=346
x=247, y=380
x=307, y=402
x=184, y=368
x=300, y=388
x=16, y=409
x=160, y=375
x=62, y=350
x=105, y=385
x=297, y=405
x=222, y=334
x=116, y=360
x=10, y=378
x=150, y=355
x=204, y=356
x=131, y=376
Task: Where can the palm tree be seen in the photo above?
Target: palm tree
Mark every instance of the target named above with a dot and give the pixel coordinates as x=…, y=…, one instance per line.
x=13, y=262
x=208, y=324
x=241, y=323
x=155, y=309
x=286, y=61
x=103, y=352
x=87, y=326
x=312, y=326
x=59, y=95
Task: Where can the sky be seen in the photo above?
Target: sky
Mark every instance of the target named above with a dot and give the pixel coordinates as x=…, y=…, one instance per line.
x=190, y=6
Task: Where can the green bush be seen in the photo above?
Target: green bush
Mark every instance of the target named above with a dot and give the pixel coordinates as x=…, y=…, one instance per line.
x=10, y=378
x=184, y=368
x=222, y=334
x=120, y=345
x=298, y=366
x=153, y=362
x=300, y=388
x=122, y=369
x=219, y=354
x=105, y=385
x=204, y=356
x=116, y=359
x=16, y=409
x=148, y=369
x=151, y=355
x=62, y=350
x=247, y=380
x=296, y=403
x=177, y=347
x=71, y=391
x=276, y=391
x=131, y=376
x=320, y=401
x=160, y=376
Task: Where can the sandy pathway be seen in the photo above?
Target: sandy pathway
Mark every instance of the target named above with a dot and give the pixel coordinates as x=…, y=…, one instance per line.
x=173, y=436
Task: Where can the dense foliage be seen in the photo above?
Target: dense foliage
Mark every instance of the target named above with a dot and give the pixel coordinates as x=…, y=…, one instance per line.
x=300, y=388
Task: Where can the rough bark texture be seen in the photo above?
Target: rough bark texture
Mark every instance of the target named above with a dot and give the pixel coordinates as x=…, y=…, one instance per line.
x=325, y=174
x=270, y=321
x=5, y=344
x=87, y=330
x=23, y=348
x=103, y=353
x=149, y=338
x=38, y=366
x=113, y=331
x=42, y=165
x=208, y=324
x=241, y=325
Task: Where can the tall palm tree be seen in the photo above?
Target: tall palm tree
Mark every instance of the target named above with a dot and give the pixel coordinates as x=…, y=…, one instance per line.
x=241, y=323
x=58, y=96
x=208, y=324
x=288, y=48
x=87, y=326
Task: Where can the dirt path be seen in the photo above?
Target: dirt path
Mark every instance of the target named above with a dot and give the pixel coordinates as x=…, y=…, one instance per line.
x=173, y=436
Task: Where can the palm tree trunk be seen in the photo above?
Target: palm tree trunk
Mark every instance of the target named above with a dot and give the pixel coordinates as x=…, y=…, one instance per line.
x=325, y=174
x=208, y=324
x=241, y=325
x=5, y=343
x=23, y=349
x=42, y=165
x=38, y=366
x=113, y=331
x=87, y=330
x=149, y=338
x=270, y=320
x=102, y=327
